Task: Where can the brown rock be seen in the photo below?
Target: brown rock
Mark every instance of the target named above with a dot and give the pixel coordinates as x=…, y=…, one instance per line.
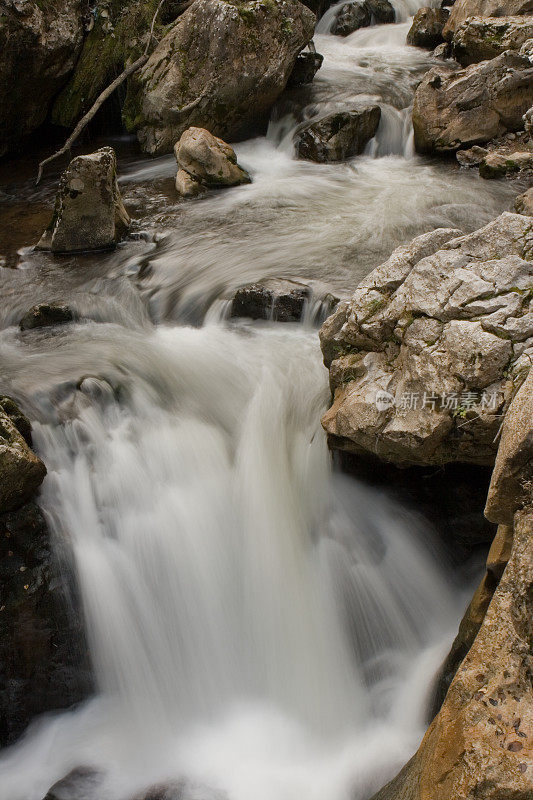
x=21, y=471
x=426, y=29
x=338, y=136
x=482, y=38
x=524, y=203
x=208, y=160
x=512, y=479
x=462, y=9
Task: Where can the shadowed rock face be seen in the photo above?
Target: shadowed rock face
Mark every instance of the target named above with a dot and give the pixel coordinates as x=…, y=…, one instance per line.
x=479, y=744
x=43, y=658
x=456, y=108
x=338, y=136
x=426, y=30
x=221, y=66
x=423, y=356
x=88, y=214
x=39, y=43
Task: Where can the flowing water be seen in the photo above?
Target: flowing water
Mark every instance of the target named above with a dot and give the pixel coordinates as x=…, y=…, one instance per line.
x=261, y=627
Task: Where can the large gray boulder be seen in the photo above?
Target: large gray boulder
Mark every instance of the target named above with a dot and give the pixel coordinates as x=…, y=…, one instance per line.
x=338, y=136
x=426, y=28
x=89, y=213
x=207, y=161
x=221, y=66
x=39, y=43
x=462, y=9
x=424, y=354
x=456, y=108
x=483, y=38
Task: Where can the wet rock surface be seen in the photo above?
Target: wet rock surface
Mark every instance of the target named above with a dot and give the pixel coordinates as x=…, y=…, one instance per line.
x=338, y=136
x=445, y=317
x=45, y=315
x=43, y=655
x=306, y=66
x=89, y=213
x=352, y=16
x=190, y=79
x=275, y=299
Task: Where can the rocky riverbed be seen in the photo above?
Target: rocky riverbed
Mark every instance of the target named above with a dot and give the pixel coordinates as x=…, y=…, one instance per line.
x=214, y=610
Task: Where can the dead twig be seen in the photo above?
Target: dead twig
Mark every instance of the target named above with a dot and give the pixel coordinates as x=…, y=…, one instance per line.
x=100, y=100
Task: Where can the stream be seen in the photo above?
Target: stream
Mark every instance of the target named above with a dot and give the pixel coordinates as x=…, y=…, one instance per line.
x=262, y=626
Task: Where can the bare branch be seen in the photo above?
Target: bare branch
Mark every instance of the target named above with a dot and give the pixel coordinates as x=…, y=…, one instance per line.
x=100, y=100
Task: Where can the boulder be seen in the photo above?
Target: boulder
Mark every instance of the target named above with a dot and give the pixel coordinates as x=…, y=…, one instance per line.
x=276, y=299
x=338, y=136
x=350, y=17
x=422, y=356
x=221, y=66
x=21, y=471
x=524, y=203
x=43, y=653
x=40, y=43
x=456, y=108
x=482, y=38
x=45, y=315
x=306, y=66
x=511, y=485
x=471, y=157
x=426, y=29
x=207, y=162
x=462, y=9
x=89, y=213
x=498, y=164
x=479, y=744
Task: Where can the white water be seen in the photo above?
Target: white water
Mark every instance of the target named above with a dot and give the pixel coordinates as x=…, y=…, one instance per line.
x=259, y=626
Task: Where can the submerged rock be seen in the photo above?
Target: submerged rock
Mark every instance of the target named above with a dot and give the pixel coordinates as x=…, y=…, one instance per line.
x=482, y=38
x=206, y=161
x=422, y=355
x=305, y=68
x=44, y=315
x=40, y=43
x=426, y=29
x=338, y=136
x=222, y=66
x=89, y=213
x=456, y=108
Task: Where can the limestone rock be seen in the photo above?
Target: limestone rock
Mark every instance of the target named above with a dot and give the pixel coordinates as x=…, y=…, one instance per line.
x=21, y=471
x=221, y=66
x=524, y=203
x=497, y=164
x=512, y=479
x=40, y=43
x=338, y=136
x=421, y=355
x=456, y=108
x=44, y=315
x=471, y=157
x=207, y=161
x=88, y=214
x=305, y=68
x=426, y=30
x=462, y=9
x=479, y=745
x=482, y=38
